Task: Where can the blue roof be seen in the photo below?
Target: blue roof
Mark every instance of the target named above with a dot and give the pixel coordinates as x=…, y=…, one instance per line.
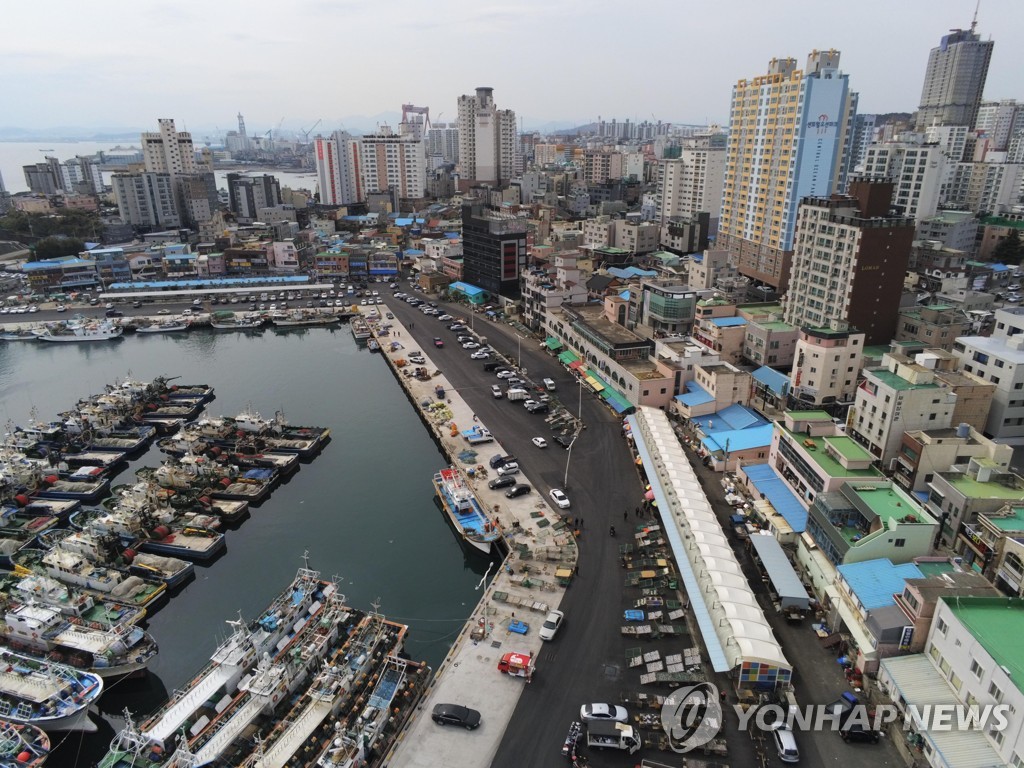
x=768, y=483
x=631, y=272
x=466, y=288
x=739, y=439
x=697, y=258
x=777, y=382
x=998, y=267
x=453, y=235
x=624, y=295
x=728, y=322
x=413, y=252
x=405, y=222
x=51, y=263
x=734, y=417
x=695, y=395
x=874, y=582
x=212, y=282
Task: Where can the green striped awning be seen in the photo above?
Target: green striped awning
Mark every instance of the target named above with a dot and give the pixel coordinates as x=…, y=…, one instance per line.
x=568, y=357
x=552, y=343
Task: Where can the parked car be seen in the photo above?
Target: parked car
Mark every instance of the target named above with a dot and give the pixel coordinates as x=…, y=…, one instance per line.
x=539, y=408
x=498, y=459
x=443, y=318
x=563, y=440
x=506, y=374
x=501, y=482
x=551, y=624
x=456, y=714
x=511, y=468
x=479, y=354
x=785, y=744
x=607, y=712
x=471, y=345
x=540, y=442
x=496, y=392
x=517, y=490
x=558, y=496
x=857, y=732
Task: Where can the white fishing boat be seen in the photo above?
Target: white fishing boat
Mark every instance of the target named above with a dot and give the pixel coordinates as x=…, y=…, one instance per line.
x=164, y=326
x=81, y=330
x=54, y=697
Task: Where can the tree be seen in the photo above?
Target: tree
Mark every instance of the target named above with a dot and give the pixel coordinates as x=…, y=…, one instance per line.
x=54, y=247
x=1010, y=249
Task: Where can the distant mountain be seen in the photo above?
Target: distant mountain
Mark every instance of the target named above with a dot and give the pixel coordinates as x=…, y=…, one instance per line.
x=68, y=133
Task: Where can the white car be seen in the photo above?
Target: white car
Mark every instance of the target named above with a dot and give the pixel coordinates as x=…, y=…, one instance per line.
x=561, y=500
x=470, y=345
x=551, y=624
x=443, y=318
x=480, y=355
x=61, y=308
x=607, y=712
x=506, y=374
x=540, y=442
x=528, y=403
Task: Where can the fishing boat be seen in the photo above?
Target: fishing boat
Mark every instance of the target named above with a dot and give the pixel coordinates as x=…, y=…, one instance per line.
x=81, y=330
x=108, y=550
x=85, y=484
x=164, y=326
x=114, y=652
x=186, y=539
x=464, y=511
x=102, y=582
x=229, y=321
x=51, y=696
x=22, y=745
x=235, y=658
x=73, y=603
x=62, y=509
x=303, y=318
x=21, y=334
x=360, y=330
x=373, y=345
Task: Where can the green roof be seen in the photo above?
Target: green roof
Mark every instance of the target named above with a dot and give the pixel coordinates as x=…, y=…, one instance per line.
x=998, y=624
x=935, y=567
x=876, y=351
x=1013, y=522
x=848, y=448
x=1001, y=221
x=890, y=503
x=810, y=415
x=898, y=382
x=827, y=464
x=973, y=489
x=777, y=325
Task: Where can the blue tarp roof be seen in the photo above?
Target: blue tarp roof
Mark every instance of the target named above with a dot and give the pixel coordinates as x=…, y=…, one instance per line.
x=728, y=322
x=413, y=252
x=695, y=395
x=624, y=295
x=213, y=282
x=452, y=235
x=631, y=272
x=774, y=489
x=466, y=288
x=780, y=570
x=51, y=263
x=777, y=382
x=734, y=417
x=739, y=439
x=405, y=222
x=998, y=267
x=874, y=582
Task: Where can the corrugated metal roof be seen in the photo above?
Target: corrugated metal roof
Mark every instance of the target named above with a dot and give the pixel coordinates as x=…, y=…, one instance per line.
x=739, y=439
x=695, y=395
x=919, y=683
x=777, y=382
x=728, y=322
x=774, y=489
x=787, y=584
x=874, y=582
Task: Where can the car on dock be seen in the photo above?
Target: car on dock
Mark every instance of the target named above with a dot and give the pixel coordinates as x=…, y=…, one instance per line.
x=517, y=490
x=501, y=482
x=551, y=625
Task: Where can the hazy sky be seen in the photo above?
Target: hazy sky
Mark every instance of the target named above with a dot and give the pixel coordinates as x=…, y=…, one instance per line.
x=116, y=63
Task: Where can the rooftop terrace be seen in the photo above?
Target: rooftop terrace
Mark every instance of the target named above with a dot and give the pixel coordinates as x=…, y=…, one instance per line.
x=998, y=624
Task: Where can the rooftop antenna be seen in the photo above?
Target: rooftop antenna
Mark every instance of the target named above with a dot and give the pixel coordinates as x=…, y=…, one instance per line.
x=974, y=21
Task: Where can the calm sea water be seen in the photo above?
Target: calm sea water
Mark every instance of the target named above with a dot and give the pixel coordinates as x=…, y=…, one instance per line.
x=15, y=154
x=363, y=509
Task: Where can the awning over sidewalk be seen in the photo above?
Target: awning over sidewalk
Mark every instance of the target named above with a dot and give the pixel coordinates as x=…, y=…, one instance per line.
x=553, y=344
x=568, y=357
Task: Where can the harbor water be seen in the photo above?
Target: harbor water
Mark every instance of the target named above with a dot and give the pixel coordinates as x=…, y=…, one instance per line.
x=363, y=508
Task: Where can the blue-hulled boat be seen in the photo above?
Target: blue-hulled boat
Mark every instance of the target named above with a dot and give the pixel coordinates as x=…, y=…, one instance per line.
x=464, y=511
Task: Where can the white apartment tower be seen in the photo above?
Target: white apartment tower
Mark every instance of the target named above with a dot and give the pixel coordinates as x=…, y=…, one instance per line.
x=691, y=183
x=169, y=151
x=1000, y=120
x=918, y=172
x=389, y=161
x=336, y=164
x=487, y=140
x=443, y=142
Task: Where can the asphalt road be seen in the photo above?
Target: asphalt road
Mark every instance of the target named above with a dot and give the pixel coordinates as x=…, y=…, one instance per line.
x=586, y=660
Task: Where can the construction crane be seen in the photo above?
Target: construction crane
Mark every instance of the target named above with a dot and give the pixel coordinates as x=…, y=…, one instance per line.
x=305, y=133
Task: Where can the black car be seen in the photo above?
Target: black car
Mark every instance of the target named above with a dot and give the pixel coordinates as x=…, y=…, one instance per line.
x=491, y=367
x=499, y=460
x=564, y=441
x=501, y=482
x=455, y=714
x=539, y=408
x=517, y=490
x=857, y=732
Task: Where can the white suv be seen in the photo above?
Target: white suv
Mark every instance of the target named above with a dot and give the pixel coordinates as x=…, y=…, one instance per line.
x=496, y=391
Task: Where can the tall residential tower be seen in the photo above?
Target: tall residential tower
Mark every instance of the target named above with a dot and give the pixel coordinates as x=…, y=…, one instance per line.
x=789, y=138
x=487, y=140
x=954, y=80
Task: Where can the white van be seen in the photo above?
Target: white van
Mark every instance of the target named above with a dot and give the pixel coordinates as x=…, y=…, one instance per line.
x=549, y=384
x=785, y=744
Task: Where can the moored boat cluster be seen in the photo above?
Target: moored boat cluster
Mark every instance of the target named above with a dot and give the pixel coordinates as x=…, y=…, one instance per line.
x=84, y=577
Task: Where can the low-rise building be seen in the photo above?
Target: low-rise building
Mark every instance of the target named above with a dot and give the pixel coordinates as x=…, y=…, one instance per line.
x=69, y=273
x=769, y=340
x=826, y=364
x=919, y=597
x=714, y=387
x=999, y=359
x=994, y=544
x=978, y=486
x=725, y=335
x=937, y=325
x=923, y=453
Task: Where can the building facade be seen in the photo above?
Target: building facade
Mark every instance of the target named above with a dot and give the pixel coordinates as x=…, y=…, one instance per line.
x=335, y=159
x=487, y=140
x=954, y=80
x=789, y=138
x=493, y=250
x=146, y=200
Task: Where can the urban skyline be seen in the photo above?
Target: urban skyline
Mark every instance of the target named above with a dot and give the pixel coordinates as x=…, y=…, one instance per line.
x=54, y=85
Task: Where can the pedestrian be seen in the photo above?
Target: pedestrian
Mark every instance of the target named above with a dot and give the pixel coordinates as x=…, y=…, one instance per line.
x=579, y=522
x=474, y=417
x=625, y=515
x=638, y=512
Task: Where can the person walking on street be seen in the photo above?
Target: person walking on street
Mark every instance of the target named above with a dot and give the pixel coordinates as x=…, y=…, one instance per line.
x=625, y=515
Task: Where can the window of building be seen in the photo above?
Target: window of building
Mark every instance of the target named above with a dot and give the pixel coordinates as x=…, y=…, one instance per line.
x=995, y=692
x=941, y=626
x=900, y=542
x=976, y=669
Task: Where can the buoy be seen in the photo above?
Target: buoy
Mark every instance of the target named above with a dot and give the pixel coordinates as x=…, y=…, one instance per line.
x=128, y=555
x=24, y=757
x=21, y=499
x=51, y=479
x=161, y=531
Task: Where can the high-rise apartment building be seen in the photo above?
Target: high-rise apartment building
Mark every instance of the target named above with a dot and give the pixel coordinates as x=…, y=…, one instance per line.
x=335, y=159
x=386, y=161
x=987, y=186
x=1000, y=120
x=248, y=194
x=789, y=138
x=954, y=80
x=918, y=172
x=487, y=140
x=168, y=150
x=443, y=142
x=850, y=256
x=863, y=137
x=691, y=183
x=146, y=199
x=199, y=198
x=493, y=250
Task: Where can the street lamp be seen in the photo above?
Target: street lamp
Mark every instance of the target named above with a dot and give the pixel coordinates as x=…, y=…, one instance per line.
x=568, y=455
x=483, y=585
